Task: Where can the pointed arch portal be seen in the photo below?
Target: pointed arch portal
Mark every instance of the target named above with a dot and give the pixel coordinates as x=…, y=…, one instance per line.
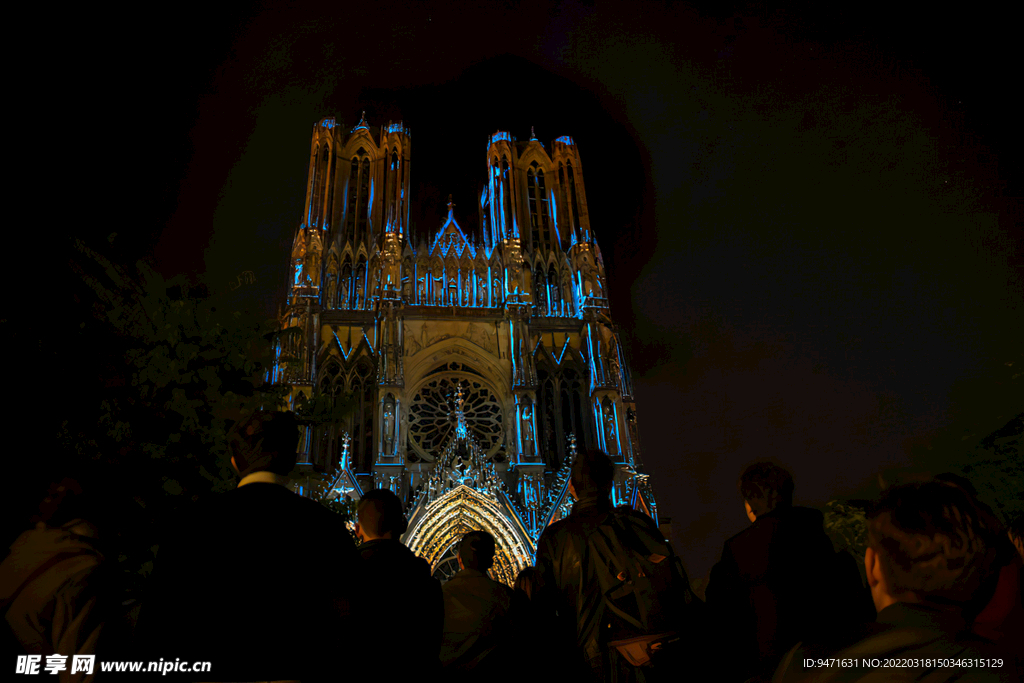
x=436, y=529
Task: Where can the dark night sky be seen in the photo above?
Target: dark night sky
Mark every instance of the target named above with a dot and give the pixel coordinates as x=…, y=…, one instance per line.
x=810, y=218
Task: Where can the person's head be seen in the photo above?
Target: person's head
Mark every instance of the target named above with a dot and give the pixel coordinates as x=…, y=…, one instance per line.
x=476, y=551
x=1016, y=533
x=764, y=487
x=88, y=502
x=593, y=474
x=527, y=581
x=266, y=441
x=380, y=515
x=927, y=540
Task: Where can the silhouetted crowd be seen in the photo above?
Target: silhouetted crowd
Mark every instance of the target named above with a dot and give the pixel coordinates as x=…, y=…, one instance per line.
x=268, y=586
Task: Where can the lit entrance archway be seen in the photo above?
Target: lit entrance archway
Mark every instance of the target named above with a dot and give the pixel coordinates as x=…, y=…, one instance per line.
x=435, y=528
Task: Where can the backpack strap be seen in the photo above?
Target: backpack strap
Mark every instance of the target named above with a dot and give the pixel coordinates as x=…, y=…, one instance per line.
x=619, y=557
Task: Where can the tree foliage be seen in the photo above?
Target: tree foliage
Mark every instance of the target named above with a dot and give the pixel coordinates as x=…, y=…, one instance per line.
x=168, y=368
x=846, y=525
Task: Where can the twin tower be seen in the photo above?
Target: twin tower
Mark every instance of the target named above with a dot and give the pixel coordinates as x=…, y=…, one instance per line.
x=476, y=363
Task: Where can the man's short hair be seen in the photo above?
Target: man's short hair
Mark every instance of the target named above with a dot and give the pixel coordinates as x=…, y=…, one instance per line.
x=592, y=473
x=477, y=550
x=380, y=511
x=766, y=486
x=932, y=539
x=266, y=441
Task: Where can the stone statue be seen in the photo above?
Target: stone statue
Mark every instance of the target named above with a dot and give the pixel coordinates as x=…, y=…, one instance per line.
x=527, y=430
x=613, y=369
x=332, y=288
x=313, y=268
x=389, y=426
x=609, y=429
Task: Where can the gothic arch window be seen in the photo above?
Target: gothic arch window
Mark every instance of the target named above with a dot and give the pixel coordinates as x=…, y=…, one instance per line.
x=561, y=401
x=506, y=197
x=572, y=195
x=531, y=196
x=361, y=384
x=331, y=384
x=392, y=201
x=314, y=187
x=549, y=433
x=562, y=210
x=538, y=199
x=573, y=401
x=543, y=209
x=353, y=195
x=320, y=182
x=329, y=186
x=385, y=204
x=364, y=197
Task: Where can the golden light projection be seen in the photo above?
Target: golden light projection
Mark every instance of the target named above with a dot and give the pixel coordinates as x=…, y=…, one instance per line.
x=460, y=511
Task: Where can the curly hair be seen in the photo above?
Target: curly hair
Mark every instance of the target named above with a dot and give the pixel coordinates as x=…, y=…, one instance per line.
x=932, y=539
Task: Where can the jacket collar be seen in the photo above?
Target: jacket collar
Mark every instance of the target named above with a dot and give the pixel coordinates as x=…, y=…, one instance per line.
x=592, y=504
x=929, y=615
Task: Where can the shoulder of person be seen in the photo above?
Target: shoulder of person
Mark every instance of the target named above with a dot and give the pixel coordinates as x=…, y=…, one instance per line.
x=554, y=531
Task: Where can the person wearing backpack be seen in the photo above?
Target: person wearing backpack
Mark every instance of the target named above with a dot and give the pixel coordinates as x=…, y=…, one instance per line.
x=617, y=594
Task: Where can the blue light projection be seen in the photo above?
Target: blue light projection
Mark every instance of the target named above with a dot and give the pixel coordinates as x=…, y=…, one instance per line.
x=500, y=135
x=526, y=280
x=362, y=125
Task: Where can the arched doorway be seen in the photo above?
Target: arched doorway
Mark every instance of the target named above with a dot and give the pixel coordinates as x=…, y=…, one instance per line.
x=437, y=528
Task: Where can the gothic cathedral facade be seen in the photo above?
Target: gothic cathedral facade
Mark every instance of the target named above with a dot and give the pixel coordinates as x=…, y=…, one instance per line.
x=478, y=363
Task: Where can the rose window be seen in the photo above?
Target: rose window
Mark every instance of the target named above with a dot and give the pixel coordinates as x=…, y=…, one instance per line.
x=432, y=415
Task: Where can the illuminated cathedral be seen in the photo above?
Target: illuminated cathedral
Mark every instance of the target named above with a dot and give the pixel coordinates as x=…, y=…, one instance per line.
x=478, y=361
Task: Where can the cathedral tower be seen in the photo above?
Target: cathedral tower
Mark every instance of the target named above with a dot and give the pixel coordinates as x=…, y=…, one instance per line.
x=477, y=363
